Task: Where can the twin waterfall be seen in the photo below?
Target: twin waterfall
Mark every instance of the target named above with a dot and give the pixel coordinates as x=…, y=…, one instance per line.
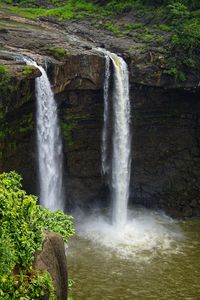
x=49, y=145
x=115, y=157
x=117, y=168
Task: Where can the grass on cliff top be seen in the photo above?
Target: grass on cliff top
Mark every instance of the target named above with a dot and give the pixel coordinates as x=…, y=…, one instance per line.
x=71, y=10
x=181, y=17
x=172, y=23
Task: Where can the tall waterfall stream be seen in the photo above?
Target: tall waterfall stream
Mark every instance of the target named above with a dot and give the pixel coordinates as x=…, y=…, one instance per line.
x=118, y=167
x=49, y=144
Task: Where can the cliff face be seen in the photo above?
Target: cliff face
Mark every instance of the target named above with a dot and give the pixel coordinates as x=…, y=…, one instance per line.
x=165, y=122
x=166, y=150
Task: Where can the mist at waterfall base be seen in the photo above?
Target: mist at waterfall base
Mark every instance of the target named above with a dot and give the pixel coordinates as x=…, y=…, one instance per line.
x=164, y=263
x=145, y=234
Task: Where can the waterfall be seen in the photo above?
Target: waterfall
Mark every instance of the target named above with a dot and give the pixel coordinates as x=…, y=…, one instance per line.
x=121, y=141
x=121, y=137
x=104, y=159
x=49, y=145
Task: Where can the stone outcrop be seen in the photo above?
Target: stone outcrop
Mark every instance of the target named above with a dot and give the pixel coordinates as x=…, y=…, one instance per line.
x=165, y=117
x=52, y=258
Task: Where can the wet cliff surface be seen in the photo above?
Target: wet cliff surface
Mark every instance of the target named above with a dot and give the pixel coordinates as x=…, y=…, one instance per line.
x=165, y=116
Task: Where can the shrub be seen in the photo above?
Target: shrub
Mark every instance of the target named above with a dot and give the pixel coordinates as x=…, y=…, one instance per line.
x=57, y=53
x=22, y=227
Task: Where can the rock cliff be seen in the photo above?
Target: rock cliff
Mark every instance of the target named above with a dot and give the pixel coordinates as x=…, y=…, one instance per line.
x=165, y=115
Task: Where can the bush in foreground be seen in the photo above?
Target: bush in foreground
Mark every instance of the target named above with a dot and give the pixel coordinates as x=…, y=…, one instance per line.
x=22, y=227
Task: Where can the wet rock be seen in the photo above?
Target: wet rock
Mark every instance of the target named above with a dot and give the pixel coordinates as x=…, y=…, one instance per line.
x=194, y=203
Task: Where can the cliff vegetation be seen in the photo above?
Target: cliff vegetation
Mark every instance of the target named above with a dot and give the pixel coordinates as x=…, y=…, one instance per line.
x=22, y=227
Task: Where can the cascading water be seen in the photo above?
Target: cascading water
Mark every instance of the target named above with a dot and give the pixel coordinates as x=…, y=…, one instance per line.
x=121, y=138
x=49, y=144
x=121, y=141
x=104, y=159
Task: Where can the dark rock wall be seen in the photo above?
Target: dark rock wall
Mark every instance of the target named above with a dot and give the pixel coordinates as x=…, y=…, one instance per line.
x=166, y=150
x=81, y=114
x=17, y=133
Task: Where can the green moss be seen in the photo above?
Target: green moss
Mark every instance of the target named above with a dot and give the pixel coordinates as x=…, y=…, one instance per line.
x=69, y=124
x=71, y=9
x=165, y=27
x=67, y=129
x=27, y=70
x=111, y=27
x=181, y=76
x=24, y=125
x=57, y=53
x=178, y=74
x=148, y=37
x=171, y=71
x=5, y=79
x=133, y=26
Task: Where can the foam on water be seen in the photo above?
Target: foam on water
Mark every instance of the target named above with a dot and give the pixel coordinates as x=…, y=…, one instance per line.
x=145, y=234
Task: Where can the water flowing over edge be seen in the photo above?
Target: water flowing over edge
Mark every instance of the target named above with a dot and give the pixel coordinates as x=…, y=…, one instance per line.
x=49, y=144
x=104, y=149
x=121, y=161
x=119, y=167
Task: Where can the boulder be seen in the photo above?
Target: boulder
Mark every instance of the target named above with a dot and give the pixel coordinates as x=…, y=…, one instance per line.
x=52, y=258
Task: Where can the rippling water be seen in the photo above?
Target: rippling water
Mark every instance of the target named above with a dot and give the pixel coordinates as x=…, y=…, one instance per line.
x=153, y=257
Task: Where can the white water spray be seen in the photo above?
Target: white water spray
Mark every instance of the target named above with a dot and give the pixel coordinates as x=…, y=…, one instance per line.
x=49, y=144
x=121, y=138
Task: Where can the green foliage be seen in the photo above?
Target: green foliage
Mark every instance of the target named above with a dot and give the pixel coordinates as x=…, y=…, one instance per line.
x=172, y=71
x=67, y=129
x=177, y=11
x=133, y=26
x=118, y=6
x=179, y=75
x=4, y=80
x=175, y=22
x=188, y=35
x=111, y=27
x=71, y=10
x=154, y=2
x=57, y=53
x=22, y=227
x=70, y=284
x=27, y=285
x=165, y=27
x=24, y=125
x=27, y=70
